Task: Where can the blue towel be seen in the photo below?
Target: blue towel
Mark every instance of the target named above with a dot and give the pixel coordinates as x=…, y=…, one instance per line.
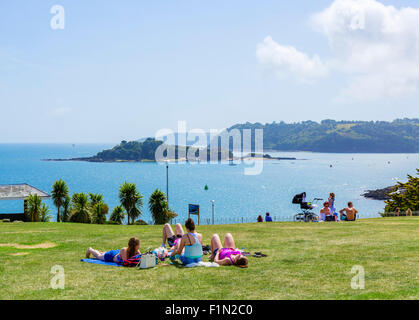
x=96, y=261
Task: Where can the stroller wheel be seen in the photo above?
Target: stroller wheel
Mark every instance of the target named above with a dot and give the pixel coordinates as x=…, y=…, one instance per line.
x=299, y=217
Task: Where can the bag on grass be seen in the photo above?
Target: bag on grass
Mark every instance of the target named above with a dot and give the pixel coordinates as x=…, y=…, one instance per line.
x=132, y=262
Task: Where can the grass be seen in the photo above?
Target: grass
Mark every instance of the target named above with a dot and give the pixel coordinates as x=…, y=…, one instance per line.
x=305, y=261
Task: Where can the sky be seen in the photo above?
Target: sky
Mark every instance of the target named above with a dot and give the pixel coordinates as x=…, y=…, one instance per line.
x=125, y=70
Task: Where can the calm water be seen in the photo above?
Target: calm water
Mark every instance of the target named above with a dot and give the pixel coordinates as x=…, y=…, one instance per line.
x=236, y=195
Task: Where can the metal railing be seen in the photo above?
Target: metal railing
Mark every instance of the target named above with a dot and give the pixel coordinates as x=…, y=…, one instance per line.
x=253, y=219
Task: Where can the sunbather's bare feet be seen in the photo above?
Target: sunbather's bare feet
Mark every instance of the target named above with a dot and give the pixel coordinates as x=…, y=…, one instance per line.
x=88, y=253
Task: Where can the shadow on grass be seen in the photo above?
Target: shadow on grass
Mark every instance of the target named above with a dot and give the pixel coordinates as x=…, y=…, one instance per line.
x=177, y=264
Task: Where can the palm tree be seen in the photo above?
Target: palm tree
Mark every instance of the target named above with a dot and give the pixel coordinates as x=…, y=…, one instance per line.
x=159, y=208
x=44, y=213
x=131, y=200
x=99, y=212
x=59, y=193
x=117, y=215
x=66, y=209
x=95, y=198
x=80, y=211
x=34, y=207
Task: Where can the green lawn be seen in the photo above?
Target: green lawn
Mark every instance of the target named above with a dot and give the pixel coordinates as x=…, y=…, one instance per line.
x=305, y=261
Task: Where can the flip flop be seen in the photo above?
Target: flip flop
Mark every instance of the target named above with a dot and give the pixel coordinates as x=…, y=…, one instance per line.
x=259, y=255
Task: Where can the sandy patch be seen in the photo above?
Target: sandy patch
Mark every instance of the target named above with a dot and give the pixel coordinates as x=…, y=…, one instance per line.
x=45, y=245
x=19, y=254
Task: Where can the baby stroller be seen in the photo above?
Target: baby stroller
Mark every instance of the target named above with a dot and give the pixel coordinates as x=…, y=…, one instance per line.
x=306, y=215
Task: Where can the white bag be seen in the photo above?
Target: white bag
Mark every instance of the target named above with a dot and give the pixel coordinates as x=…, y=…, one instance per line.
x=148, y=261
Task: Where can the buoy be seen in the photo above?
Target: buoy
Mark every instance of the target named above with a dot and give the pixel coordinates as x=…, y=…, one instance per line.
x=206, y=187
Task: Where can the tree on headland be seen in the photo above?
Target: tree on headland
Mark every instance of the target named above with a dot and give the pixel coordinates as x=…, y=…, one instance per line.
x=131, y=200
x=59, y=193
x=80, y=211
x=405, y=196
x=159, y=208
x=117, y=215
x=34, y=207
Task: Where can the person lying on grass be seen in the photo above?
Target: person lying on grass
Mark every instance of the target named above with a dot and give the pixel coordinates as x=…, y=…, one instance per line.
x=117, y=256
x=192, y=243
x=169, y=236
x=227, y=255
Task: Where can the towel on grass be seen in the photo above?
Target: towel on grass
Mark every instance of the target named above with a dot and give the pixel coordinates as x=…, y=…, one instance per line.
x=202, y=264
x=97, y=261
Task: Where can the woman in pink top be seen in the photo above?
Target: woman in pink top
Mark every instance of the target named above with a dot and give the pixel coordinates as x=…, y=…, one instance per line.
x=227, y=255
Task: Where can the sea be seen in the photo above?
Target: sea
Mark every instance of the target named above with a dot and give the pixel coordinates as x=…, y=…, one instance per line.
x=231, y=196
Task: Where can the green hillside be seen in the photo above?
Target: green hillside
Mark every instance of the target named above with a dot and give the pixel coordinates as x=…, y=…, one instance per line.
x=400, y=135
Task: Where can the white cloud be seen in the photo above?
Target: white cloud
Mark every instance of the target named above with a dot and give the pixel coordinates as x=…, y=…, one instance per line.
x=376, y=46
x=287, y=60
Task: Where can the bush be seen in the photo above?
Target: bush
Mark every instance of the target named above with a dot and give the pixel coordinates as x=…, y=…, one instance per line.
x=140, y=223
x=111, y=222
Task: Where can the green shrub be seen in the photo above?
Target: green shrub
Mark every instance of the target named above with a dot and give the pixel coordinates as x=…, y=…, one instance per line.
x=140, y=223
x=111, y=222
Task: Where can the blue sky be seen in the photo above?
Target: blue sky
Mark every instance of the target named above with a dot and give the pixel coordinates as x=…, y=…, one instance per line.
x=123, y=70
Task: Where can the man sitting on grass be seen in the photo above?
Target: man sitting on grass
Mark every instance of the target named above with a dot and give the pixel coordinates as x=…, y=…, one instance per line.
x=268, y=218
x=349, y=213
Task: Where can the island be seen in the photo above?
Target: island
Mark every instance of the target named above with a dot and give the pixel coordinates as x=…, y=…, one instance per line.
x=145, y=151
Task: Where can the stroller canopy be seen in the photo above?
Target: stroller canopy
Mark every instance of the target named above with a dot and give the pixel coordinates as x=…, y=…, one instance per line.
x=298, y=198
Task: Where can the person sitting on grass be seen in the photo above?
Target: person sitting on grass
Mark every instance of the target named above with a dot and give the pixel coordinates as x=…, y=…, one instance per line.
x=117, y=256
x=192, y=243
x=260, y=219
x=227, y=255
x=349, y=213
x=169, y=236
x=325, y=212
x=268, y=218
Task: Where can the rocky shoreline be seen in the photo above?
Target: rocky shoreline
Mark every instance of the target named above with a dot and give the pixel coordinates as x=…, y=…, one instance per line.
x=380, y=194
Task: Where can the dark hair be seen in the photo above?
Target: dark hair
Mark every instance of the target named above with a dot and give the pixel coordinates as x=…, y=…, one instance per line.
x=350, y=203
x=326, y=203
x=190, y=225
x=332, y=194
x=132, y=244
x=242, y=262
x=267, y=213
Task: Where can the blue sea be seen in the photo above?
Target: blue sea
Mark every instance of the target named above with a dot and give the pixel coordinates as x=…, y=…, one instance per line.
x=237, y=197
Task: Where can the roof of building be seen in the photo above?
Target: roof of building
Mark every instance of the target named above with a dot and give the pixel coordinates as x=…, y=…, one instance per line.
x=20, y=192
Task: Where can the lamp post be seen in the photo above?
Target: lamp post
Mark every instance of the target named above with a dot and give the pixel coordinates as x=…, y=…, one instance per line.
x=212, y=202
x=167, y=182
